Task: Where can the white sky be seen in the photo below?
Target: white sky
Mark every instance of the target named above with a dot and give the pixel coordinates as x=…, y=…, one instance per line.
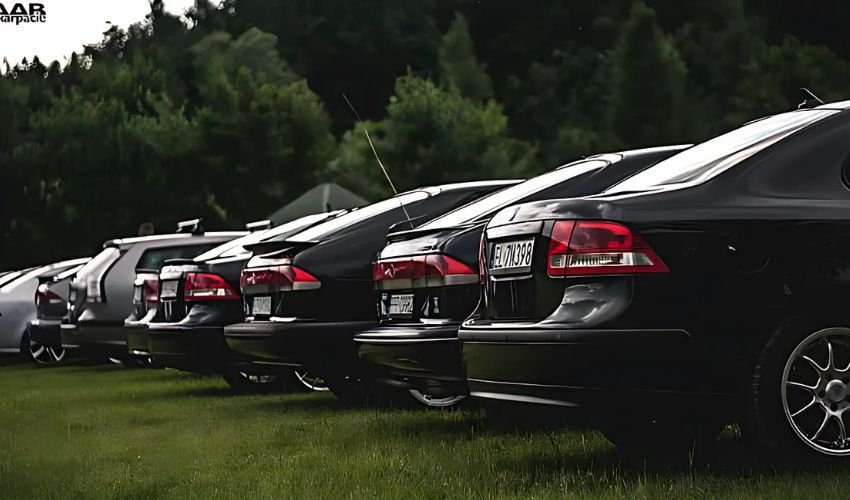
x=70, y=25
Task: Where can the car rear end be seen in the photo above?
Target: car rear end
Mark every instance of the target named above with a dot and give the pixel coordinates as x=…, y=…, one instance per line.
x=199, y=297
x=579, y=310
x=105, y=293
x=426, y=285
x=51, y=302
x=306, y=299
x=145, y=294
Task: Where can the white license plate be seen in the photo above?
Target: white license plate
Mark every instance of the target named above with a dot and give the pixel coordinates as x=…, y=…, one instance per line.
x=262, y=306
x=169, y=289
x=512, y=254
x=401, y=304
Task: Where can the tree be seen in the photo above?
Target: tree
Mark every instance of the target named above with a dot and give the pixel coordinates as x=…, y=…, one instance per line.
x=458, y=65
x=647, y=84
x=431, y=135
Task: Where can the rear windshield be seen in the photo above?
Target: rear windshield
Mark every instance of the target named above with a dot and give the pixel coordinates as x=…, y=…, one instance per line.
x=486, y=206
x=154, y=258
x=705, y=161
x=37, y=272
x=237, y=246
x=324, y=229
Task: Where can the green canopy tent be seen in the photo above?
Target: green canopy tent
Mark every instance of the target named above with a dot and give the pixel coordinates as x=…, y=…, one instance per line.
x=322, y=198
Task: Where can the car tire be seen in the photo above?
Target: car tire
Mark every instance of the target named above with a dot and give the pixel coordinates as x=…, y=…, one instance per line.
x=437, y=403
x=38, y=353
x=790, y=423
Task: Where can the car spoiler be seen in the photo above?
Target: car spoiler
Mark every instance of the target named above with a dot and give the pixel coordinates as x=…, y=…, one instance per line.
x=265, y=247
x=411, y=233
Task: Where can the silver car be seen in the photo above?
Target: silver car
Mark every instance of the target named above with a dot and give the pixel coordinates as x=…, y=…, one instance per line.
x=17, y=307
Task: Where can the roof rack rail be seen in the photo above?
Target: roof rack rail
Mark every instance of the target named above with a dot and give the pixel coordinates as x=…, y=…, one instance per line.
x=259, y=225
x=192, y=226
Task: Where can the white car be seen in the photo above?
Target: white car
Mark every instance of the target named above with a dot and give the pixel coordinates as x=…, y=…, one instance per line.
x=17, y=307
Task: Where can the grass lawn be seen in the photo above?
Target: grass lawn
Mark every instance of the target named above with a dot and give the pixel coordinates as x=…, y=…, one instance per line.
x=109, y=432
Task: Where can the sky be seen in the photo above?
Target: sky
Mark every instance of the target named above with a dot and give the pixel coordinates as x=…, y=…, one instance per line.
x=69, y=25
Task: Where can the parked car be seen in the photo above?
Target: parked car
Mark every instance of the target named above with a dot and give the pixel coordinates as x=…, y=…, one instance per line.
x=307, y=295
x=187, y=328
x=18, y=308
x=428, y=278
x=101, y=294
x=707, y=288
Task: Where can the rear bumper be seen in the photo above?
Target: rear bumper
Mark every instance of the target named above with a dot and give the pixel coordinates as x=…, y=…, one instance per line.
x=137, y=337
x=46, y=332
x=323, y=346
x=583, y=368
x=422, y=357
x=99, y=338
x=199, y=349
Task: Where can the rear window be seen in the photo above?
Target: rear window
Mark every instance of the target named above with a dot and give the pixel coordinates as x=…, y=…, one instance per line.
x=322, y=230
x=155, y=258
x=37, y=272
x=237, y=246
x=486, y=206
x=707, y=160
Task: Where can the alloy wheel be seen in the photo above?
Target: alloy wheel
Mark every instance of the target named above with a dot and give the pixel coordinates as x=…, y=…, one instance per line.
x=816, y=391
x=435, y=402
x=258, y=379
x=311, y=381
x=45, y=355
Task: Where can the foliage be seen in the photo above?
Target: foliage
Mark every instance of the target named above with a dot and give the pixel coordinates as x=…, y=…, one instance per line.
x=237, y=108
x=431, y=135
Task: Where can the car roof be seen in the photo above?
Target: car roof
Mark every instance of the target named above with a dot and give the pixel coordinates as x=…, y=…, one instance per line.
x=433, y=190
x=172, y=236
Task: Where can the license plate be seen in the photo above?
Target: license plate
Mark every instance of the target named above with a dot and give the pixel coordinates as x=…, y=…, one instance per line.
x=262, y=306
x=168, y=289
x=137, y=294
x=512, y=254
x=401, y=304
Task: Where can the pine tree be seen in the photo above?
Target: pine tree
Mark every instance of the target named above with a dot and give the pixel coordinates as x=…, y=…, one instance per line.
x=458, y=65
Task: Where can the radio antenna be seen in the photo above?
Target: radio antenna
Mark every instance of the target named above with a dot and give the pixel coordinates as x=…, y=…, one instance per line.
x=378, y=158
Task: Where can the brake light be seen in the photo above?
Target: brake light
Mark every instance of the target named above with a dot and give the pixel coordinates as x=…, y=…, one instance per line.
x=150, y=290
x=277, y=278
x=43, y=295
x=206, y=286
x=599, y=247
x=420, y=271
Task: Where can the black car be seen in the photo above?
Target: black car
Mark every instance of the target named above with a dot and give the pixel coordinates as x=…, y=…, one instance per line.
x=101, y=294
x=708, y=288
x=307, y=295
x=428, y=278
x=193, y=300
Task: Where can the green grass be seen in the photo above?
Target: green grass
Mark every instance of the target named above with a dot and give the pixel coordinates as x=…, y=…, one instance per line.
x=109, y=432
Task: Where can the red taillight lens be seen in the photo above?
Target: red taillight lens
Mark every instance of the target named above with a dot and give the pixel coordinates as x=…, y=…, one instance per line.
x=150, y=290
x=43, y=295
x=277, y=278
x=599, y=247
x=421, y=271
x=206, y=286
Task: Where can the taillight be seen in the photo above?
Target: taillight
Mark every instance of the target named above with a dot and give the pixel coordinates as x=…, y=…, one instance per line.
x=421, y=271
x=43, y=295
x=93, y=289
x=150, y=290
x=599, y=247
x=276, y=278
x=206, y=286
